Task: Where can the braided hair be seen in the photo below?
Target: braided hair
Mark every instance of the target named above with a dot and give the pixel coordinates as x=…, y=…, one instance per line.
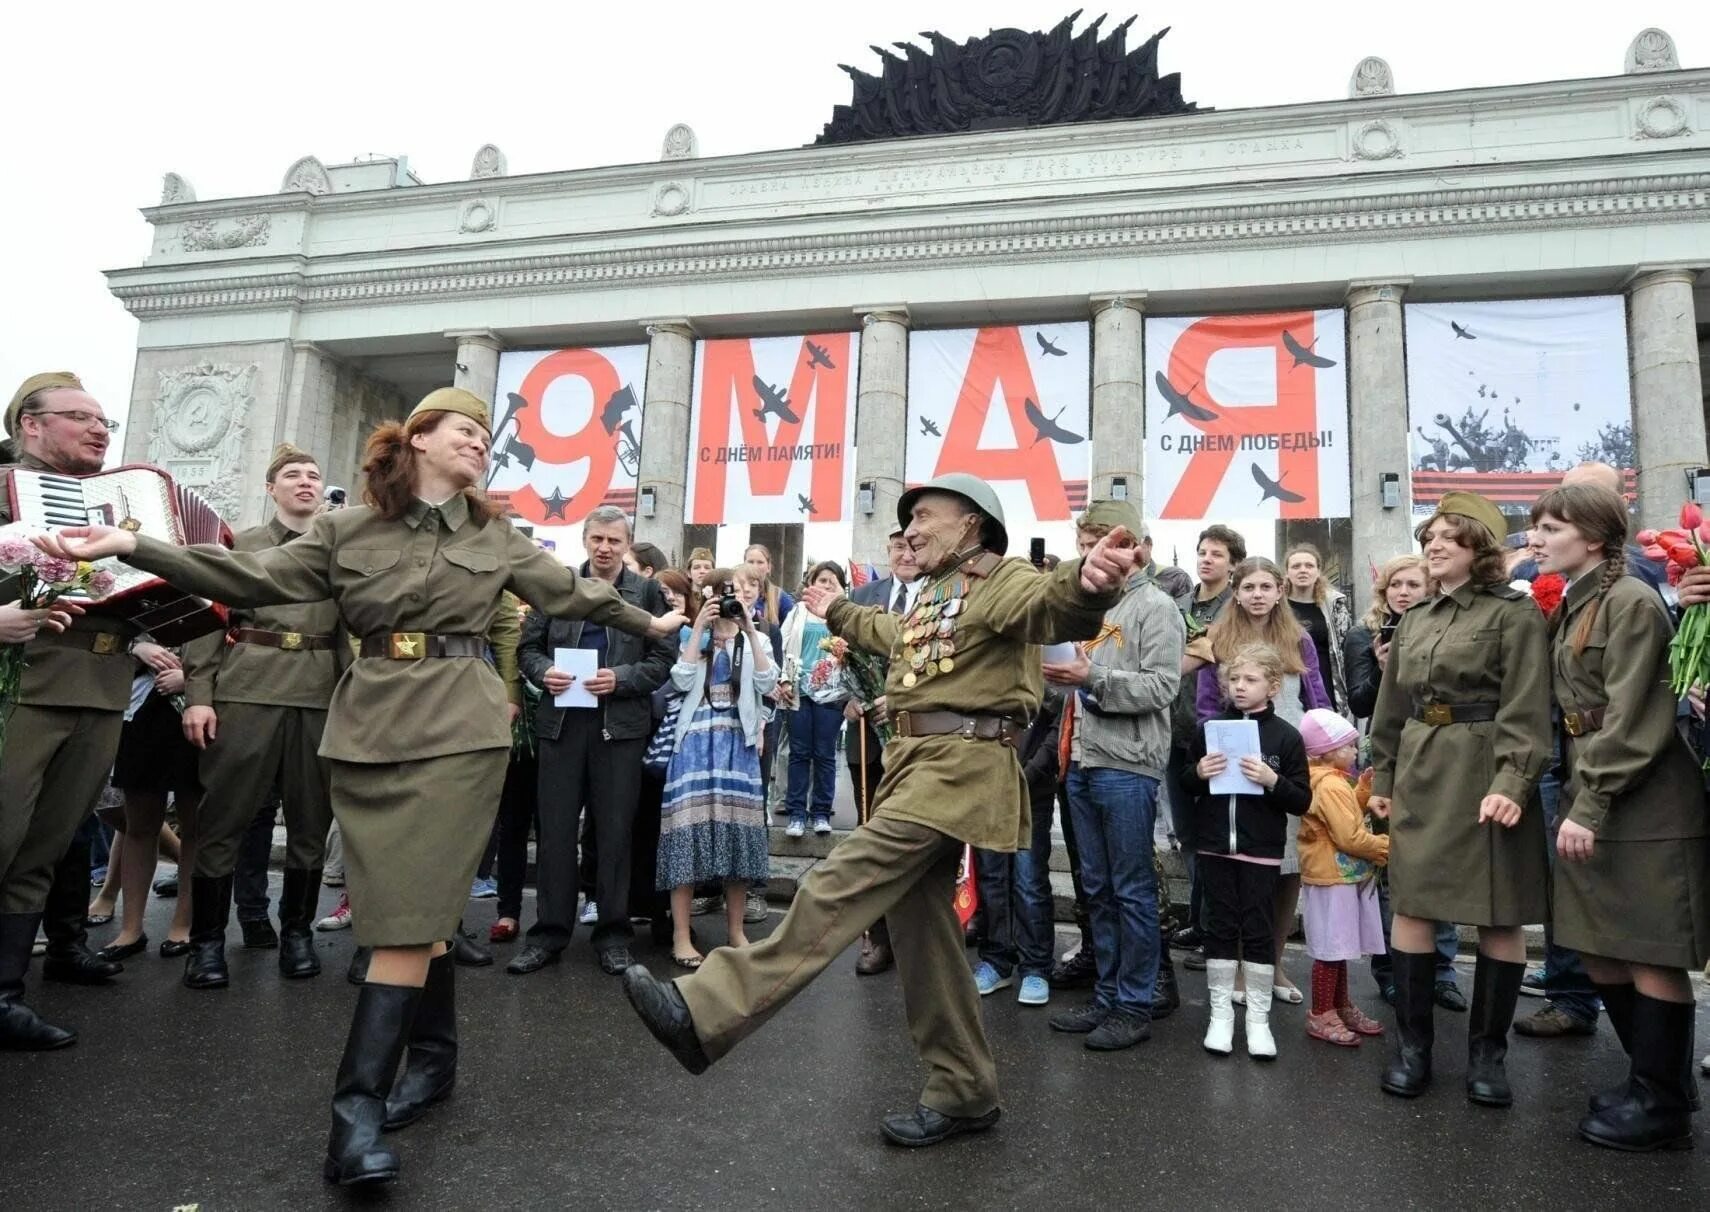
x=1600, y=516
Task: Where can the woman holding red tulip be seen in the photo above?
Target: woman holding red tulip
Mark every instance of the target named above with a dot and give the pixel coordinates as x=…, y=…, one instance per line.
x=1632, y=893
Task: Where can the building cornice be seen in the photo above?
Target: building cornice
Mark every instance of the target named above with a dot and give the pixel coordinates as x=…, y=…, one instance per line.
x=466, y=273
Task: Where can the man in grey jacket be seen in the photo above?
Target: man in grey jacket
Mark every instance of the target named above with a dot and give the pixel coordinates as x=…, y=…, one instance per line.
x=1121, y=688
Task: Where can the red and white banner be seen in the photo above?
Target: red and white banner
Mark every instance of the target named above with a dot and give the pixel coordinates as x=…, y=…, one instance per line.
x=1503, y=397
x=1010, y=405
x=1247, y=416
x=567, y=431
x=771, y=429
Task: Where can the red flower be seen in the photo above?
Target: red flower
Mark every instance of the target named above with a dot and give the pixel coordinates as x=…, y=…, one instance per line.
x=1674, y=573
x=1691, y=517
x=1646, y=538
x=1547, y=590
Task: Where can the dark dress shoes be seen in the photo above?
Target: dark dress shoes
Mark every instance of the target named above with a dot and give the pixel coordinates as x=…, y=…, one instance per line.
x=923, y=1126
x=875, y=958
x=259, y=935
x=615, y=961
x=79, y=966
x=666, y=1014
x=114, y=952
x=172, y=948
x=531, y=959
x=467, y=952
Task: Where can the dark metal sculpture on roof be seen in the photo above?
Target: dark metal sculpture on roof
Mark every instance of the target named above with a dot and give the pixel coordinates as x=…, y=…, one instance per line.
x=1009, y=78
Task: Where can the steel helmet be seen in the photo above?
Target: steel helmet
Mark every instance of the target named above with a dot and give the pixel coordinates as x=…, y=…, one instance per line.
x=972, y=489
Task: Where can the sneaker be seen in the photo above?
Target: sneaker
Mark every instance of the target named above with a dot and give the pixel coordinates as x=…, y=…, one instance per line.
x=339, y=918
x=796, y=828
x=1190, y=938
x=987, y=979
x=1035, y=991
x=1082, y=1020
x=1532, y=984
x=97, y=876
x=1076, y=971
x=1120, y=1029
x=590, y=913
x=700, y=906
x=756, y=909
x=822, y=825
x=1552, y=1022
x=1448, y=995
x=484, y=890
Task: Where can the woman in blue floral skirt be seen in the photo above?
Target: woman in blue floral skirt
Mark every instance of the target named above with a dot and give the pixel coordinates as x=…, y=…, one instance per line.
x=714, y=823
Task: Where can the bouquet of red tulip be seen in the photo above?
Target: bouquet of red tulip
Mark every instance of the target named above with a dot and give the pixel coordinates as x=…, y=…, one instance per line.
x=42, y=581
x=1688, y=547
x=863, y=676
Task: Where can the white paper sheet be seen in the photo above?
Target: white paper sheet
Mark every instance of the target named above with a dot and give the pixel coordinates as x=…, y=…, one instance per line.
x=581, y=664
x=1059, y=654
x=1235, y=739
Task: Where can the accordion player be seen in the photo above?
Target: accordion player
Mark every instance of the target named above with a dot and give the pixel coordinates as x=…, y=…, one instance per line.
x=144, y=499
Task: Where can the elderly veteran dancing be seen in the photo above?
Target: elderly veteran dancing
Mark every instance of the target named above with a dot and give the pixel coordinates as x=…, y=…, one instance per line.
x=416, y=731
x=964, y=678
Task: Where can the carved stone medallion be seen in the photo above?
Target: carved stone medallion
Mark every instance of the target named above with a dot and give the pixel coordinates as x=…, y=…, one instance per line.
x=1660, y=118
x=1371, y=78
x=201, y=414
x=1652, y=50
x=1376, y=140
x=671, y=199
x=175, y=189
x=306, y=176
x=489, y=162
x=681, y=143
x=478, y=216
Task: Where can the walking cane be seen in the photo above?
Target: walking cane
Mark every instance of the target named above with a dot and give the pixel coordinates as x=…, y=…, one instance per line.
x=861, y=804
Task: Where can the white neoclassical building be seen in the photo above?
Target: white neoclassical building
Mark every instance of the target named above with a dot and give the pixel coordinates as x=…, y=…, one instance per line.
x=312, y=312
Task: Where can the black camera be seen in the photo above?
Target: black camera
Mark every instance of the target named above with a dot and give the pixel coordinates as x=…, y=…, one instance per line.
x=729, y=605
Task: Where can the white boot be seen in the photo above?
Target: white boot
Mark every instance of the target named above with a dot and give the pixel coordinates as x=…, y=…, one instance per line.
x=1219, y=986
x=1261, y=980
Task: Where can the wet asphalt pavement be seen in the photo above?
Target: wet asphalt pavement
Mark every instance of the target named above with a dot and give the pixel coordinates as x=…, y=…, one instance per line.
x=218, y=1100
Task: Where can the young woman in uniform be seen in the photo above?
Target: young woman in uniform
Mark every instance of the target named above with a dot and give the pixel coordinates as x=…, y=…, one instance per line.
x=417, y=732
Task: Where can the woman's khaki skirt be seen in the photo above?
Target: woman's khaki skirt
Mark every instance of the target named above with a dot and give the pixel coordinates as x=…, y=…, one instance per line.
x=1642, y=902
x=414, y=833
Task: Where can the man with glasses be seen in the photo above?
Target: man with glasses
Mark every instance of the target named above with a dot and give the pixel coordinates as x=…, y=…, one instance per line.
x=62, y=735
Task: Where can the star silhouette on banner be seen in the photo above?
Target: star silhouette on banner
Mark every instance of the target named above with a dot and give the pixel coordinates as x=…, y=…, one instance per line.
x=556, y=504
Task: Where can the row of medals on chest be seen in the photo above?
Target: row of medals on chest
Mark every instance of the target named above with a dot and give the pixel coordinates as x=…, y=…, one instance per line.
x=929, y=631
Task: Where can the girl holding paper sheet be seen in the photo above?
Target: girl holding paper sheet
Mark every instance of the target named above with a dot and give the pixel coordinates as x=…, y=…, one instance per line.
x=1240, y=839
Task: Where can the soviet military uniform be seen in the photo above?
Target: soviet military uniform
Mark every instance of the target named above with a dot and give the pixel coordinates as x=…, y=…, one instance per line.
x=963, y=653
x=60, y=740
x=1629, y=777
x=416, y=732
x=1464, y=712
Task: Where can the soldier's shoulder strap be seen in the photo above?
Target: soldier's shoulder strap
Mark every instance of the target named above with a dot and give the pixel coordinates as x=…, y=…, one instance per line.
x=1508, y=593
x=983, y=565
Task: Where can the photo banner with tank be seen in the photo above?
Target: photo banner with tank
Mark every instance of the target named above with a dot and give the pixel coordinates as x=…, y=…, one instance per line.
x=567, y=431
x=1503, y=397
x=771, y=429
x=1247, y=416
x=1011, y=405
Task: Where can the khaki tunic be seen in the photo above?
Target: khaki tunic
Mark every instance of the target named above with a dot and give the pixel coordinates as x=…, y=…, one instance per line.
x=1469, y=647
x=419, y=747
x=1644, y=896
x=61, y=737
x=974, y=791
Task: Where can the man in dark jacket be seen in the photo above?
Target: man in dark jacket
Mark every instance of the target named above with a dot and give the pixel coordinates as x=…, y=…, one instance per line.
x=591, y=756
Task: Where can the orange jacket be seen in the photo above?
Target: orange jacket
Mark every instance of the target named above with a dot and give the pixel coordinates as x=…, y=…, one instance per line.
x=1335, y=845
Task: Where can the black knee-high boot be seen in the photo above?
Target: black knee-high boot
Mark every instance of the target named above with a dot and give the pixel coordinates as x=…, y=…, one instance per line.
x=431, y=1068
x=1496, y=989
x=1656, y=1113
x=1409, y=1071
x=297, y=904
x=210, y=910
x=21, y=1028
x=355, y=1152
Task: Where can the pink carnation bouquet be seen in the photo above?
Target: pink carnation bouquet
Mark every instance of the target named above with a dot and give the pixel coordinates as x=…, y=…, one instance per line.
x=41, y=581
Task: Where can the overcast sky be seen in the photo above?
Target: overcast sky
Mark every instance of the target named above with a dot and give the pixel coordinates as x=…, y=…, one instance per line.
x=102, y=99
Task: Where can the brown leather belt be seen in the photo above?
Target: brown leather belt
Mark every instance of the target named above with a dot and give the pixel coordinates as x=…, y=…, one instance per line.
x=1585, y=720
x=101, y=643
x=1439, y=714
x=953, y=723
x=414, y=645
x=285, y=641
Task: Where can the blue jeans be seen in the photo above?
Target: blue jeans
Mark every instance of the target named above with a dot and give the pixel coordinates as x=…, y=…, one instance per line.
x=1114, y=813
x=813, y=755
x=1013, y=935
x=1035, y=911
x=1566, y=984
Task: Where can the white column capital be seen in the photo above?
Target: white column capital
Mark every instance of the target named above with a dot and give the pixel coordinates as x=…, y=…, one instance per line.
x=884, y=313
x=1134, y=300
x=676, y=326
x=1377, y=290
x=320, y=351
x=1660, y=275
x=484, y=338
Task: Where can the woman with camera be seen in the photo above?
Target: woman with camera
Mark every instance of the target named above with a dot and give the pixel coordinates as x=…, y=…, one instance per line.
x=713, y=827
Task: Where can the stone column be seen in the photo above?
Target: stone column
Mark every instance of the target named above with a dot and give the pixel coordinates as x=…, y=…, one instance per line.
x=1118, y=396
x=310, y=407
x=477, y=364
x=665, y=435
x=1668, y=389
x=1377, y=427
x=881, y=425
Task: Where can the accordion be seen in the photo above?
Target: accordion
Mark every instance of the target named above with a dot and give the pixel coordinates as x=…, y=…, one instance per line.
x=144, y=499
